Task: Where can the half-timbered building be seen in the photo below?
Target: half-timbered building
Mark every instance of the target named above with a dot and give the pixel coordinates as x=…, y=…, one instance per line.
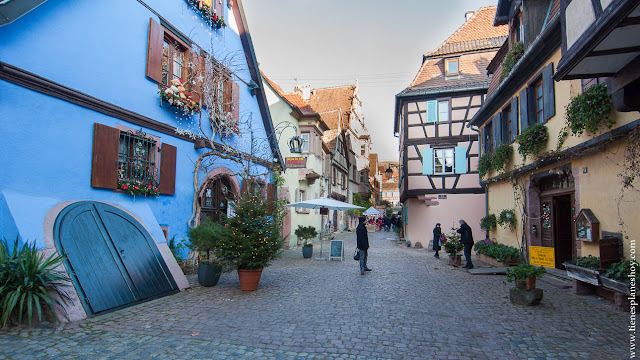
x=438, y=151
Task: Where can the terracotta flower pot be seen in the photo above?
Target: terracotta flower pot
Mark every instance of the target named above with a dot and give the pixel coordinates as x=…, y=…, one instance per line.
x=455, y=260
x=529, y=283
x=249, y=279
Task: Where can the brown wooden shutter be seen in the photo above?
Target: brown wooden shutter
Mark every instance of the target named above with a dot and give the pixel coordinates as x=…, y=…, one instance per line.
x=104, y=163
x=271, y=195
x=167, y=170
x=235, y=102
x=548, y=87
x=154, y=51
x=228, y=89
x=245, y=186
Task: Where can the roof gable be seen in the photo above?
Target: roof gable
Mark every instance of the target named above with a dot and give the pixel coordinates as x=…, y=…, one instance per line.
x=333, y=104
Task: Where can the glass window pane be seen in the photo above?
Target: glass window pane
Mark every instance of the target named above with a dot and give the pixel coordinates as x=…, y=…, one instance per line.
x=305, y=142
x=443, y=111
x=539, y=90
x=453, y=66
x=165, y=63
x=177, y=64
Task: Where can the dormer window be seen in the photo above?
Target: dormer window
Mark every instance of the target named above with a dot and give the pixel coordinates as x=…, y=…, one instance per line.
x=451, y=67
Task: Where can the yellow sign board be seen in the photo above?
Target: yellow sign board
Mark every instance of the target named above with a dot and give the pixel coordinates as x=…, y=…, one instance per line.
x=542, y=256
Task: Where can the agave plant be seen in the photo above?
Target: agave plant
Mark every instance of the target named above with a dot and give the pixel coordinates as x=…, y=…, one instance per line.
x=26, y=278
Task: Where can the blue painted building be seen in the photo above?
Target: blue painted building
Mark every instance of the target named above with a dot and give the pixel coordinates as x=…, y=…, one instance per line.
x=87, y=141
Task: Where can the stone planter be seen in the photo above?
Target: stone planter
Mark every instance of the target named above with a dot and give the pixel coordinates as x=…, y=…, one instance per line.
x=583, y=274
x=616, y=285
x=455, y=260
x=525, y=297
x=495, y=263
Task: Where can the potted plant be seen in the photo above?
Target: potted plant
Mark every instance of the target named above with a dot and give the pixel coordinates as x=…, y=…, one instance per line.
x=618, y=276
x=306, y=233
x=453, y=247
x=254, y=239
x=585, y=269
x=525, y=275
x=488, y=222
x=525, y=292
x=507, y=218
x=204, y=239
x=532, y=140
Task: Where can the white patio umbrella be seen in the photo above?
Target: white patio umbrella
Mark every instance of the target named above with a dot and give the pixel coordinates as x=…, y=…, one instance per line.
x=371, y=211
x=324, y=202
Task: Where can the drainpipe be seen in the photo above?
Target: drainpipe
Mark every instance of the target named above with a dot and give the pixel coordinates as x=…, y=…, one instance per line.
x=486, y=189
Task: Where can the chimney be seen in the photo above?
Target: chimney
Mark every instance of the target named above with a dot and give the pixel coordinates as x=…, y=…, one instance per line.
x=304, y=90
x=467, y=15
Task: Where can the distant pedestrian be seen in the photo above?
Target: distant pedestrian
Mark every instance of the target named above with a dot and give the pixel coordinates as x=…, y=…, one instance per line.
x=362, y=244
x=437, y=233
x=466, y=239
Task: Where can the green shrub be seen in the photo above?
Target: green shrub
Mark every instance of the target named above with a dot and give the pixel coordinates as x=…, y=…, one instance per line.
x=26, y=278
x=500, y=252
x=207, y=236
x=511, y=59
x=507, y=218
x=306, y=233
x=523, y=271
x=590, y=110
x=589, y=262
x=485, y=164
x=488, y=222
x=532, y=140
x=622, y=269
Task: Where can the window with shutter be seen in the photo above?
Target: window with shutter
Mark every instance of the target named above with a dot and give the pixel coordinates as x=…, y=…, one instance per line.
x=129, y=158
x=443, y=161
x=538, y=95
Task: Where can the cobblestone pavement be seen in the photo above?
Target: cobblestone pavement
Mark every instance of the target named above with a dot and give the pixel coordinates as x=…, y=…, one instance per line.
x=412, y=306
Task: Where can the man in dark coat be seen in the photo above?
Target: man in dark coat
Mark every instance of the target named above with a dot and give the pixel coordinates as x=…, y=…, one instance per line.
x=437, y=233
x=466, y=239
x=362, y=244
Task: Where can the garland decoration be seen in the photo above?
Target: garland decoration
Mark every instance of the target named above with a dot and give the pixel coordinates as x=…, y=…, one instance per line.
x=209, y=13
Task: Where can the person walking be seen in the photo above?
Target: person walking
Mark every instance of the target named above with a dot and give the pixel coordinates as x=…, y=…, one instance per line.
x=362, y=244
x=466, y=239
x=437, y=233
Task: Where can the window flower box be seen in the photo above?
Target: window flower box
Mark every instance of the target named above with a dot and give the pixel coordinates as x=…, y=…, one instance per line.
x=138, y=189
x=176, y=95
x=583, y=274
x=209, y=13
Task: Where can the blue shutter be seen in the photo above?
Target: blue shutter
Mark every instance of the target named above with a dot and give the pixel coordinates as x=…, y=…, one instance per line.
x=432, y=110
x=497, y=130
x=427, y=161
x=460, y=159
x=548, y=92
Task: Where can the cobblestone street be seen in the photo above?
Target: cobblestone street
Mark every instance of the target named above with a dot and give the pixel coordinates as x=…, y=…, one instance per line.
x=412, y=306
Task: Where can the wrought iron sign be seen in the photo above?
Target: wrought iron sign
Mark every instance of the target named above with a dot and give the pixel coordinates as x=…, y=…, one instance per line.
x=295, y=145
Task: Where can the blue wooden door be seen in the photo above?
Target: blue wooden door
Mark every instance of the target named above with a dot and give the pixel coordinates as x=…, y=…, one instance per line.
x=114, y=260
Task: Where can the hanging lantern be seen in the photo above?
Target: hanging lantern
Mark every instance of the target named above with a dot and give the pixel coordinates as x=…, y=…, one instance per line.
x=295, y=145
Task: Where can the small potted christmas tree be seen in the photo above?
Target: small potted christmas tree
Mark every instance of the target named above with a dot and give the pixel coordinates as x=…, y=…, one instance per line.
x=306, y=233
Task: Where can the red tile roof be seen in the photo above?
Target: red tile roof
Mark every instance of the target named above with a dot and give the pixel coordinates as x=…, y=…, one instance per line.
x=333, y=104
x=477, y=33
x=329, y=137
x=293, y=99
x=475, y=43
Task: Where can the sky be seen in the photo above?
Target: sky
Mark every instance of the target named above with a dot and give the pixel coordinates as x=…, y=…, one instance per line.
x=336, y=42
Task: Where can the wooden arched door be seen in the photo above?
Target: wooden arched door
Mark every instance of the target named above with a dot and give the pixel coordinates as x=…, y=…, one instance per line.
x=215, y=199
x=113, y=260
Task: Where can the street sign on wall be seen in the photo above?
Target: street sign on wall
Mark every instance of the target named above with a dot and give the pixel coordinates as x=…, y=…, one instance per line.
x=542, y=256
x=297, y=162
